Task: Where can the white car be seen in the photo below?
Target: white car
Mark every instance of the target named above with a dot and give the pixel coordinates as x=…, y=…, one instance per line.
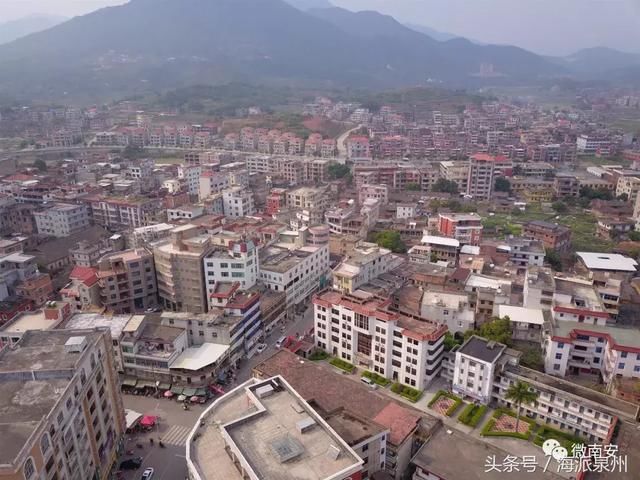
x=261, y=347
x=147, y=474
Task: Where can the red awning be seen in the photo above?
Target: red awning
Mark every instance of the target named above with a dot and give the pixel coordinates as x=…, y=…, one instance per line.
x=148, y=421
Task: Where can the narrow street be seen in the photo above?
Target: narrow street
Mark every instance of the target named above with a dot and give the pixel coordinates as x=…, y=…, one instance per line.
x=300, y=324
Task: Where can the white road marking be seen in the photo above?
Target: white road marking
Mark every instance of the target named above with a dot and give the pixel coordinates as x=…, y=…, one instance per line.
x=176, y=435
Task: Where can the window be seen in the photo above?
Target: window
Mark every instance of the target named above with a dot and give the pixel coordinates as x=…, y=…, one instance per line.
x=558, y=356
x=636, y=368
x=29, y=470
x=623, y=355
x=560, y=345
x=556, y=366
x=44, y=444
x=621, y=366
x=598, y=349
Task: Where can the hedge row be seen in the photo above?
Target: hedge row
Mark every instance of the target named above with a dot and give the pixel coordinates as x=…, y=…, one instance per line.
x=375, y=378
x=472, y=414
x=409, y=393
x=342, y=365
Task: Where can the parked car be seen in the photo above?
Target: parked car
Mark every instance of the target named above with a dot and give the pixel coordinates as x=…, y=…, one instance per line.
x=147, y=474
x=261, y=347
x=131, y=464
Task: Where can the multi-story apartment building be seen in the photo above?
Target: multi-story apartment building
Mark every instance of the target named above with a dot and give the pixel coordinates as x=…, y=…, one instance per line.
x=457, y=172
x=483, y=169
x=15, y=269
x=358, y=147
x=83, y=290
x=524, y=252
x=376, y=192
x=297, y=272
x=464, y=227
x=484, y=370
x=566, y=185
x=212, y=183
x=190, y=175
x=591, y=144
x=85, y=254
x=362, y=330
x=128, y=281
x=122, y=213
x=237, y=261
x=62, y=220
x=238, y=202
x=362, y=264
x=629, y=186
x=179, y=269
x=553, y=236
x=438, y=249
x=61, y=406
x=234, y=320
x=572, y=348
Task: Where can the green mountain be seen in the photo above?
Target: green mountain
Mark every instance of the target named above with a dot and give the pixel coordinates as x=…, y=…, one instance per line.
x=148, y=45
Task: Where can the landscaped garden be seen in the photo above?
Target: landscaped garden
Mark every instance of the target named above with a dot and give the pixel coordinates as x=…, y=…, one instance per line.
x=409, y=393
x=505, y=424
x=445, y=403
x=566, y=439
x=377, y=379
x=472, y=414
x=342, y=365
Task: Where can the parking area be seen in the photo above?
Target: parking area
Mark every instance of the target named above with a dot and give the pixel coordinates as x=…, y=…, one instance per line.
x=172, y=428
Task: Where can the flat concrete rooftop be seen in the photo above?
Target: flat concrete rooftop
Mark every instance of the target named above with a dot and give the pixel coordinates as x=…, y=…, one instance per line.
x=42, y=351
x=263, y=431
x=22, y=407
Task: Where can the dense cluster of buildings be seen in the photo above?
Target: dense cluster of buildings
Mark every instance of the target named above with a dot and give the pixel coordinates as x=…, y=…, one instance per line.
x=132, y=271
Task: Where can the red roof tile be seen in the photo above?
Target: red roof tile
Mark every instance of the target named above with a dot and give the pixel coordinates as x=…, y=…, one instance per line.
x=86, y=275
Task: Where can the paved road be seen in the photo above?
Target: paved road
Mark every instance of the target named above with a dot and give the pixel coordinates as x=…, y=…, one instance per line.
x=340, y=143
x=301, y=323
x=173, y=428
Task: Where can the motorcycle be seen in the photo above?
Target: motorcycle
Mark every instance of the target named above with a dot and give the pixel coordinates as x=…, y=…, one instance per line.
x=161, y=444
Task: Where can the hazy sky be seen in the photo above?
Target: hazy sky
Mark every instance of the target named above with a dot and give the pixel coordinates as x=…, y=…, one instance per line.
x=544, y=26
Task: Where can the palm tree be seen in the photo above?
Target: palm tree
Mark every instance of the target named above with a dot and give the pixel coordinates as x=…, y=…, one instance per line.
x=519, y=393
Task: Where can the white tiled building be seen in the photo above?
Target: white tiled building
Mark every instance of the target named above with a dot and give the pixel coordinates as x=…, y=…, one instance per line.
x=361, y=330
x=190, y=175
x=238, y=202
x=62, y=220
x=236, y=262
x=298, y=272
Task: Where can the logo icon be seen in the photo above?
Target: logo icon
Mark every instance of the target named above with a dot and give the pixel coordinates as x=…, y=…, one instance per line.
x=552, y=448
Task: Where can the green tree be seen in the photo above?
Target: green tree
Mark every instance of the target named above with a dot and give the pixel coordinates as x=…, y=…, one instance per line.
x=40, y=165
x=634, y=236
x=553, y=258
x=560, y=207
x=412, y=187
x=338, y=170
x=623, y=198
x=450, y=341
x=502, y=185
x=445, y=186
x=390, y=240
x=519, y=393
x=497, y=329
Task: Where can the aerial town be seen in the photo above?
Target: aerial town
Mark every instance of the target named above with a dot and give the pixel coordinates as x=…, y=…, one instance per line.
x=414, y=284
